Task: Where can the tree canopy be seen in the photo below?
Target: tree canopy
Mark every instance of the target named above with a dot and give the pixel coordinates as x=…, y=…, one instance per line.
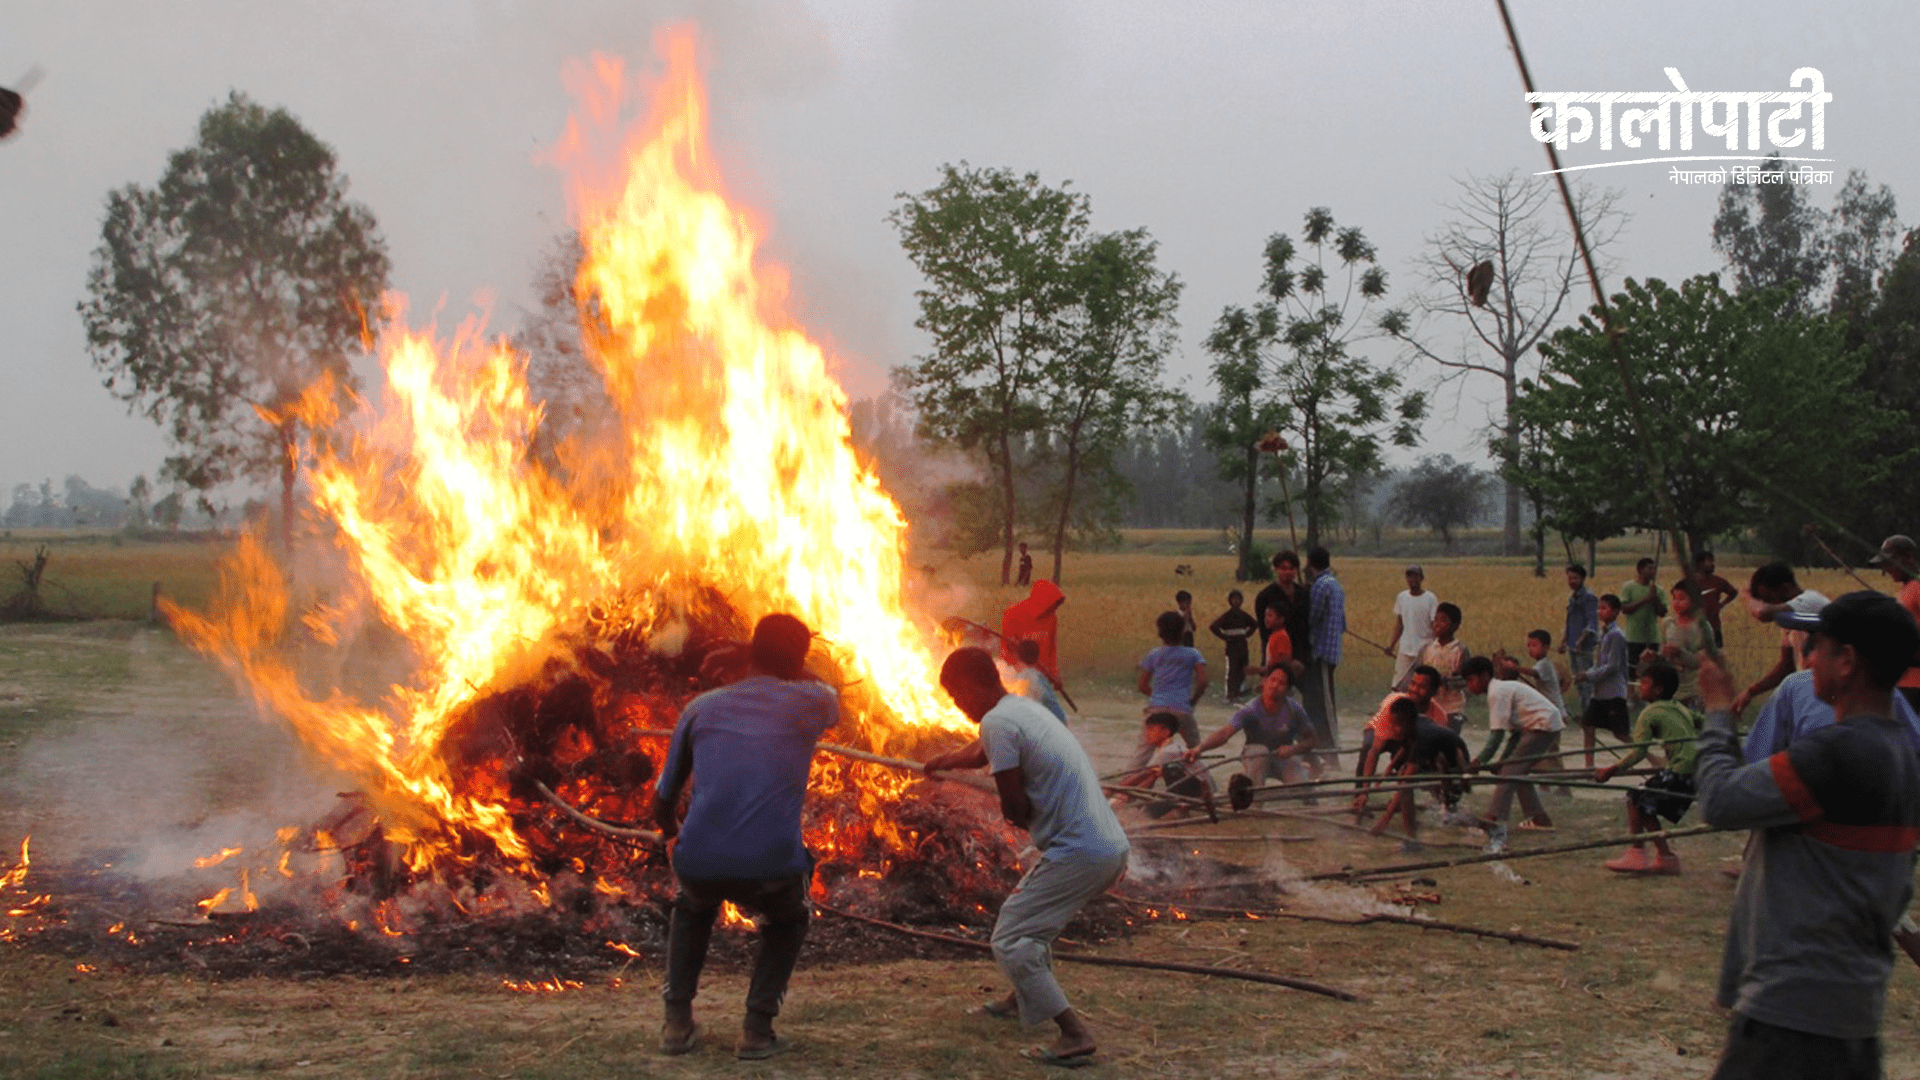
x=224, y=299
x=1440, y=494
x=1049, y=343
x=1755, y=414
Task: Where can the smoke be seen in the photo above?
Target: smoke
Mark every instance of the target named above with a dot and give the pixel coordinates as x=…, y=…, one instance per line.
x=161, y=766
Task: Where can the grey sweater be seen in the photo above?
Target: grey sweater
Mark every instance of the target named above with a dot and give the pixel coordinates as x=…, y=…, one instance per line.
x=1829, y=870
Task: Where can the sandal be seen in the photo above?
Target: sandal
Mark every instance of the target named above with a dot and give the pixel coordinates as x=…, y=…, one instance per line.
x=1079, y=1059
x=1531, y=825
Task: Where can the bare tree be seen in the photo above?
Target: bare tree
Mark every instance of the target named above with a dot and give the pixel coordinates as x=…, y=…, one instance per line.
x=1505, y=262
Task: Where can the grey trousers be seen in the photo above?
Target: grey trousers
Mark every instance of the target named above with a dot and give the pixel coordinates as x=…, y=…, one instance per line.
x=1040, y=907
x=1531, y=743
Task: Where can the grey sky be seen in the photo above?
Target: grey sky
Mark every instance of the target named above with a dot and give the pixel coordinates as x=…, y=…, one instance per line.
x=1211, y=124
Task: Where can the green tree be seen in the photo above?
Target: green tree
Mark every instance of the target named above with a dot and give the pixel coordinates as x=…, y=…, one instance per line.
x=1341, y=407
x=1773, y=237
x=1755, y=414
x=1106, y=381
x=997, y=250
x=1891, y=336
x=225, y=300
x=1440, y=494
x=1515, y=226
x=139, y=495
x=1244, y=411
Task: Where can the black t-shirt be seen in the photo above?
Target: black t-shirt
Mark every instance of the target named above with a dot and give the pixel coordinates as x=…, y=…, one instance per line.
x=1296, y=617
x=1434, y=747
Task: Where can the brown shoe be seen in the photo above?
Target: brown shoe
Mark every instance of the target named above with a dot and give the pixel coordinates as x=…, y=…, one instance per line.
x=677, y=1039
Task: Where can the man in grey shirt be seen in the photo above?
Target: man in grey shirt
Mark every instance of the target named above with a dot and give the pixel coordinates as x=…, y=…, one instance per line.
x=1048, y=787
x=1829, y=867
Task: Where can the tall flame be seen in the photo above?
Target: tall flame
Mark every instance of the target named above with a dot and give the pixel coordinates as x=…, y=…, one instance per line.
x=493, y=547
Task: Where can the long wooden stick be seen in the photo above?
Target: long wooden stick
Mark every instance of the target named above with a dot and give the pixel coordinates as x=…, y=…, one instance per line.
x=595, y=823
x=1257, y=914
x=1113, y=961
x=1356, y=873
x=903, y=764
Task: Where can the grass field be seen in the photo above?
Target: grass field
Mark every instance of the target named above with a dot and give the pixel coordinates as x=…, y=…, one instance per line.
x=110, y=732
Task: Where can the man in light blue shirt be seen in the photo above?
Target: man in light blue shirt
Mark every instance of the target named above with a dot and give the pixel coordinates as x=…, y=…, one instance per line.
x=1047, y=786
x=1794, y=710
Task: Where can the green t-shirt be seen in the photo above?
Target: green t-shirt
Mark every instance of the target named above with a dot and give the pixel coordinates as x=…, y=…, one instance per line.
x=1642, y=627
x=1675, y=726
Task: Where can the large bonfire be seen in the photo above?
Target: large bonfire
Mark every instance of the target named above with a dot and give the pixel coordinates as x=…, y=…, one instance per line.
x=494, y=603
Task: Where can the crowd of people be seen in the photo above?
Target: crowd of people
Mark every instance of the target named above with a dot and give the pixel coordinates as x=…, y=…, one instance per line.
x=1827, y=776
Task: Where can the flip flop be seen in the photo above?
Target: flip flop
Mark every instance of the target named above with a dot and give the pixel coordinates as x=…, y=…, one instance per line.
x=1079, y=1059
x=675, y=1047
x=780, y=1045
x=996, y=1010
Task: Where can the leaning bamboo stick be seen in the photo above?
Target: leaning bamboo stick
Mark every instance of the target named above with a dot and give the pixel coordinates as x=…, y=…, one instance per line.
x=1502, y=856
x=595, y=823
x=1256, y=914
x=1113, y=961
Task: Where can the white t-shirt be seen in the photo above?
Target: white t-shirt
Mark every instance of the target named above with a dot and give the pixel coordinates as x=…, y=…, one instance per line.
x=1514, y=706
x=1071, y=819
x=1416, y=619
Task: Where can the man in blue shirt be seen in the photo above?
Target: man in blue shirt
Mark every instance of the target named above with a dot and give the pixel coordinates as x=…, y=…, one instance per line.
x=1326, y=626
x=747, y=748
x=1794, y=710
x=1582, y=631
x=1048, y=787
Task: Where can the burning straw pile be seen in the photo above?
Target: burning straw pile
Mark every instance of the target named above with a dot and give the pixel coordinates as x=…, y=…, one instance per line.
x=492, y=599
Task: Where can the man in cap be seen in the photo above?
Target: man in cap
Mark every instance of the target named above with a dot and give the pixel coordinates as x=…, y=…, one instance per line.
x=1829, y=867
x=747, y=748
x=1771, y=593
x=1900, y=560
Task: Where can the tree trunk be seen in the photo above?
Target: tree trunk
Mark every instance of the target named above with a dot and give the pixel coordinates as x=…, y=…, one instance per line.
x=1006, y=510
x=1066, y=507
x=289, y=450
x=1511, y=536
x=1593, y=557
x=1248, y=510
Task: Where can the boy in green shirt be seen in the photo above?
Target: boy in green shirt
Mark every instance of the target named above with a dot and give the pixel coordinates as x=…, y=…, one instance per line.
x=1669, y=792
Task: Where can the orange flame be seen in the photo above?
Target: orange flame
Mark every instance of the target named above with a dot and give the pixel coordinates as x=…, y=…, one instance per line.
x=728, y=471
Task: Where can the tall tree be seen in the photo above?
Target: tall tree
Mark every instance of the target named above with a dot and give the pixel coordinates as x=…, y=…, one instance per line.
x=1756, y=414
x=225, y=302
x=1514, y=226
x=1341, y=406
x=1773, y=237
x=1865, y=238
x=1244, y=411
x=1106, y=379
x=997, y=251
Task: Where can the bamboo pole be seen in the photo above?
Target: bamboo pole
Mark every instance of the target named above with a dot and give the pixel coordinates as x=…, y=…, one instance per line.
x=1112, y=961
x=1256, y=914
x=1362, y=872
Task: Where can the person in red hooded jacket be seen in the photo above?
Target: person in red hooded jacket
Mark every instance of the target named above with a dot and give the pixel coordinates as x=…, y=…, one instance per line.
x=1034, y=619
